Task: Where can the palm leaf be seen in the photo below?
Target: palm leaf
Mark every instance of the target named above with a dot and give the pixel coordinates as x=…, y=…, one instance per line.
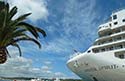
x=2, y=16
x=12, y=12
x=16, y=34
x=29, y=39
x=2, y=5
x=7, y=52
x=22, y=17
x=25, y=39
x=13, y=31
x=29, y=27
x=16, y=45
x=41, y=31
x=19, y=19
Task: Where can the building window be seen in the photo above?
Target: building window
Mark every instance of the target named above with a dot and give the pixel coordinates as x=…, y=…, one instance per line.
x=115, y=23
x=123, y=20
x=114, y=17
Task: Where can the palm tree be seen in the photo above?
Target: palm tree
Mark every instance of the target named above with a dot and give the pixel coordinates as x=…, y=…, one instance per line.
x=13, y=31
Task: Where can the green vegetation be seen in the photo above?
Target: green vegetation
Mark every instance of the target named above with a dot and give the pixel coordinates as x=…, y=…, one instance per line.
x=13, y=30
x=71, y=80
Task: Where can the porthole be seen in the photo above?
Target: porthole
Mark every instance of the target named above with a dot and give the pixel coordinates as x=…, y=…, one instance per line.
x=88, y=51
x=115, y=23
x=123, y=20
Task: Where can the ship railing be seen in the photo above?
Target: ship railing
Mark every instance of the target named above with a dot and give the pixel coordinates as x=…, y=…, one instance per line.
x=75, y=54
x=109, y=19
x=119, y=9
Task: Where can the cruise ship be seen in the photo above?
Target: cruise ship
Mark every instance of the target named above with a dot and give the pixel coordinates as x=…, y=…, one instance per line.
x=105, y=59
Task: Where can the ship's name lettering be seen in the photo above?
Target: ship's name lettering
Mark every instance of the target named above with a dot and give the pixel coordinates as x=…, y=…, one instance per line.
x=114, y=66
x=91, y=69
x=106, y=67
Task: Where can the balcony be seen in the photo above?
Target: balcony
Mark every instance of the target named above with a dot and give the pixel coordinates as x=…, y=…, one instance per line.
x=104, y=28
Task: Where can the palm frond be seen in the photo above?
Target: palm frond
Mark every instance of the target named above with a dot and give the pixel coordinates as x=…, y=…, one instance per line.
x=16, y=45
x=41, y=31
x=19, y=19
x=7, y=52
x=12, y=12
x=29, y=27
x=2, y=16
x=26, y=38
x=22, y=17
x=13, y=30
x=29, y=39
x=2, y=5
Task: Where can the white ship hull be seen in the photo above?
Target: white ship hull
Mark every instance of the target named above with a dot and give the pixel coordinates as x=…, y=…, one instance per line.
x=105, y=59
x=98, y=67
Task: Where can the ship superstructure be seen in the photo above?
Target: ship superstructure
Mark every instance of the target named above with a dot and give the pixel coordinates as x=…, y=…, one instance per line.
x=105, y=59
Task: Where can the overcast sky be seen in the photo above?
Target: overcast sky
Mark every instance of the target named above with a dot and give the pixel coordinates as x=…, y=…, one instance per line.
x=69, y=24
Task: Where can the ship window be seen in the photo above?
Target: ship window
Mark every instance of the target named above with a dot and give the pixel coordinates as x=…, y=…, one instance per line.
x=114, y=17
x=117, y=31
x=110, y=40
x=123, y=20
x=110, y=25
x=95, y=50
x=120, y=55
x=110, y=48
x=110, y=19
x=88, y=51
x=109, y=33
x=103, y=49
x=119, y=38
x=120, y=46
x=115, y=23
